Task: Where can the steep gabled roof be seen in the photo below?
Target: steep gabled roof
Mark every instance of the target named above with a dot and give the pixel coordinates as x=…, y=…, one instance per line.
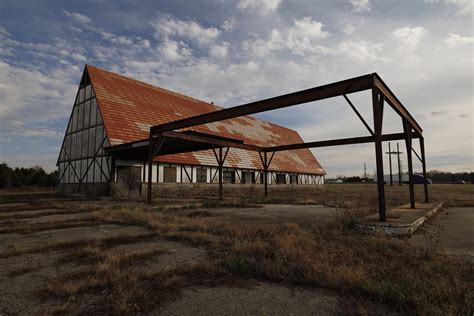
x=130, y=107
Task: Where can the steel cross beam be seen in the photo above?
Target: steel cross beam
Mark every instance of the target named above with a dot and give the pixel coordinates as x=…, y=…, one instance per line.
x=338, y=142
x=391, y=99
x=266, y=164
x=314, y=94
x=220, y=162
x=339, y=88
x=211, y=141
x=359, y=115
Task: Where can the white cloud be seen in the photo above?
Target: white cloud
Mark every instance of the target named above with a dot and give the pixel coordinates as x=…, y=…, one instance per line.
x=466, y=7
x=168, y=26
x=349, y=29
x=228, y=25
x=4, y=32
x=302, y=38
x=361, y=5
x=219, y=51
x=262, y=7
x=39, y=89
x=359, y=50
x=455, y=40
x=32, y=99
x=77, y=17
x=174, y=51
x=408, y=37
x=79, y=57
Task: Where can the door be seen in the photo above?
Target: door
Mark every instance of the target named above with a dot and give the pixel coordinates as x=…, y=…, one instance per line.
x=128, y=180
x=135, y=181
x=201, y=175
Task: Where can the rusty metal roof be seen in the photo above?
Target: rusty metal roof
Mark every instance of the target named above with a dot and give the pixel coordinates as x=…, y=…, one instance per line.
x=130, y=107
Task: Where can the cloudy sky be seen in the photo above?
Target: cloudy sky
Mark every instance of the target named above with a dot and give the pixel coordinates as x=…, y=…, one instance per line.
x=236, y=51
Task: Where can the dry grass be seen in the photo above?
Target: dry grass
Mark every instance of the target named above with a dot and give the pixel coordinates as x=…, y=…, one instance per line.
x=115, y=286
x=335, y=257
x=61, y=245
x=13, y=227
x=38, y=214
x=367, y=268
x=359, y=195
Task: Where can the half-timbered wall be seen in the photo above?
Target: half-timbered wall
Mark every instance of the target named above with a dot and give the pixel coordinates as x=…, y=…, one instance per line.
x=82, y=158
x=189, y=173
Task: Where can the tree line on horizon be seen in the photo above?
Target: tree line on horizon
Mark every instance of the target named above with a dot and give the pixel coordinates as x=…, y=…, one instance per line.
x=26, y=177
x=37, y=177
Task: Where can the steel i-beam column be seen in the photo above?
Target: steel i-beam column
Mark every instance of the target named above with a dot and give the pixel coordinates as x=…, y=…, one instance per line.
x=151, y=155
x=408, y=141
x=399, y=167
x=265, y=173
x=423, y=157
x=377, y=105
x=220, y=173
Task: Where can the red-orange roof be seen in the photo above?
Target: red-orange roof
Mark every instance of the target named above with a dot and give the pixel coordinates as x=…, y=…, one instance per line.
x=130, y=107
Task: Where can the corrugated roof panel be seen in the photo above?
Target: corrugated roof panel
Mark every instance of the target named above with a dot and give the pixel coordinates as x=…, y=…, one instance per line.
x=129, y=107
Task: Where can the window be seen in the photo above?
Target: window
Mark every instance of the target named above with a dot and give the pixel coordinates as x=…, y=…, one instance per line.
x=93, y=119
x=248, y=177
x=169, y=174
x=228, y=176
x=201, y=175
x=293, y=179
x=280, y=178
x=87, y=114
x=81, y=95
x=88, y=92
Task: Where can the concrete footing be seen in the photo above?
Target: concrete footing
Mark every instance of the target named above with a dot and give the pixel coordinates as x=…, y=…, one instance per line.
x=401, y=221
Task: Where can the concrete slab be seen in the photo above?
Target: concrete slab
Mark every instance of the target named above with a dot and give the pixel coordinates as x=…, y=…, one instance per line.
x=17, y=241
x=450, y=232
x=401, y=221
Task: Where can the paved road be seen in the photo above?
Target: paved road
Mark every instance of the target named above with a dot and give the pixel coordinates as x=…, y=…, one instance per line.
x=455, y=228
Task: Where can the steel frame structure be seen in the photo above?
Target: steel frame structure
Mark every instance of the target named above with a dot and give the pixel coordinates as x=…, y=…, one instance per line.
x=381, y=94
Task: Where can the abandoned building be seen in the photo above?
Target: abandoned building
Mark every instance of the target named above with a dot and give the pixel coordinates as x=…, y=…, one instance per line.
x=112, y=115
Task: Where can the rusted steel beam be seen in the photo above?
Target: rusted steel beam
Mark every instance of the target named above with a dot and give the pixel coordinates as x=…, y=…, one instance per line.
x=314, y=94
x=265, y=173
x=377, y=104
x=210, y=140
x=408, y=141
x=154, y=148
x=359, y=115
x=425, y=184
x=395, y=103
x=416, y=154
x=221, y=163
x=337, y=142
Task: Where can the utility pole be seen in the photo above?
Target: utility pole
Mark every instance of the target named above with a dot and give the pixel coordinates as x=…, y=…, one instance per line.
x=365, y=172
x=390, y=153
x=399, y=166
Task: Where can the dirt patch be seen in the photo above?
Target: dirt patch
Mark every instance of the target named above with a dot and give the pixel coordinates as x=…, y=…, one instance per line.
x=256, y=299
x=134, y=259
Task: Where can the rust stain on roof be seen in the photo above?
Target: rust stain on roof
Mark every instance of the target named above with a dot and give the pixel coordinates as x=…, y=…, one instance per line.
x=129, y=107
